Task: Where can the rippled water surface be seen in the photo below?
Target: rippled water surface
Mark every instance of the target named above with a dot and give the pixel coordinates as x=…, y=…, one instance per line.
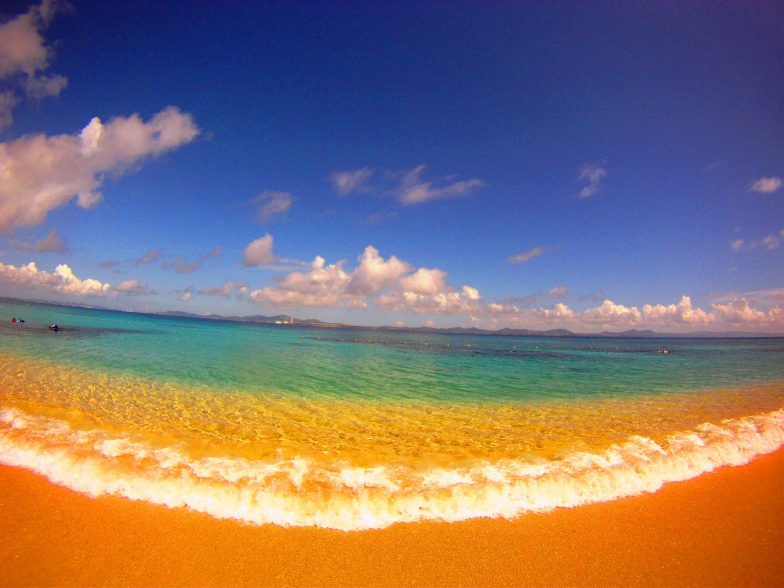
x=356, y=429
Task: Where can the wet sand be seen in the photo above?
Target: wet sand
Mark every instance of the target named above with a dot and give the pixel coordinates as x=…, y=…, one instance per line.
x=725, y=528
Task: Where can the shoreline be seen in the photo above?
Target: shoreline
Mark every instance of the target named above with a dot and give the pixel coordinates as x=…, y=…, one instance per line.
x=721, y=528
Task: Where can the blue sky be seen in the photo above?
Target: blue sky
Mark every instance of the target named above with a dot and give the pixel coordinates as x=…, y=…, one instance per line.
x=535, y=165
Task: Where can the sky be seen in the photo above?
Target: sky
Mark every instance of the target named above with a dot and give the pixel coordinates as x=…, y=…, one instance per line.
x=590, y=166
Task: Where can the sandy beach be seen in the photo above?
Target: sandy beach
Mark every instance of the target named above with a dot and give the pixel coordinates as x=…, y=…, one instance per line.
x=724, y=528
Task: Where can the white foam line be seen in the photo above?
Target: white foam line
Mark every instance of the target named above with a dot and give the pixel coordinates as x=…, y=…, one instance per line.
x=302, y=492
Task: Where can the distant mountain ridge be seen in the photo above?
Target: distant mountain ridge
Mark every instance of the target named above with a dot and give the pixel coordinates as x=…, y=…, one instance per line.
x=505, y=332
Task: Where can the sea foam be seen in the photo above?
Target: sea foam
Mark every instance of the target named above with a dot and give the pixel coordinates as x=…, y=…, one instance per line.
x=341, y=495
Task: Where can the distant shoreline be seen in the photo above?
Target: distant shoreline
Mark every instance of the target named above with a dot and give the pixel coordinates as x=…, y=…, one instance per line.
x=282, y=322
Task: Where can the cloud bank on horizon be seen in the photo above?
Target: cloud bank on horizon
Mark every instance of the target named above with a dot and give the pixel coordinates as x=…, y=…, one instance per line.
x=468, y=212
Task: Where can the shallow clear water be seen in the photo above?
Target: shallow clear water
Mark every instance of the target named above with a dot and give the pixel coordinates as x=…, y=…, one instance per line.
x=359, y=428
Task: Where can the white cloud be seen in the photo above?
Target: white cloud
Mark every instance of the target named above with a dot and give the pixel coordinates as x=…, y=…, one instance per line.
x=323, y=286
x=41, y=173
x=414, y=190
x=352, y=181
x=593, y=175
x=374, y=273
x=134, y=288
x=53, y=243
x=526, y=255
x=23, y=56
x=390, y=284
x=766, y=185
x=259, y=252
x=733, y=313
x=425, y=281
x=61, y=280
x=408, y=187
x=270, y=204
x=737, y=244
x=21, y=45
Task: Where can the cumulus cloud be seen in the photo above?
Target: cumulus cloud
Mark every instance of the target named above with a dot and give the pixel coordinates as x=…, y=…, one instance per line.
x=408, y=187
x=348, y=182
x=23, y=56
x=259, y=252
x=41, y=173
x=733, y=313
x=374, y=273
x=53, y=243
x=134, y=288
x=270, y=204
x=766, y=185
x=62, y=280
x=390, y=284
x=592, y=175
x=323, y=286
x=526, y=255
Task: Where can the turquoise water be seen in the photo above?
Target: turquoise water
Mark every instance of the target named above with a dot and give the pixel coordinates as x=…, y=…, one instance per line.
x=358, y=429
x=377, y=365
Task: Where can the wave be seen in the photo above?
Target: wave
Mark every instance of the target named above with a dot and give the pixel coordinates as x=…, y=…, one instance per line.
x=303, y=491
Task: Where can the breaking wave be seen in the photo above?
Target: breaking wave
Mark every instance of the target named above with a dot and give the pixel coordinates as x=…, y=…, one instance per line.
x=338, y=495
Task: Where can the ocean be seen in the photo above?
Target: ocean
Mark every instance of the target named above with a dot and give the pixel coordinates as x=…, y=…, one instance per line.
x=361, y=429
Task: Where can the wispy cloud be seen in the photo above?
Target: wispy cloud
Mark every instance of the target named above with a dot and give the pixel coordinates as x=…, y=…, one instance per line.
x=766, y=185
x=414, y=190
x=593, y=175
x=526, y=256
x=151, y=256
x=134, y=288
x=226, y=290
x=270, y=204
x=770, y=242
x=554, y=293
x=183, y=266
x=53, y=243
x=351, y=181
x=409, y=187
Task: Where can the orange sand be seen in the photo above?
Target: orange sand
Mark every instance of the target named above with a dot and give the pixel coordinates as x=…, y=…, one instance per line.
x=724, y=528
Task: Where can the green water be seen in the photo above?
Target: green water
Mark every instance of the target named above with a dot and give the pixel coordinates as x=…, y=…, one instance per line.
x=374, y=365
